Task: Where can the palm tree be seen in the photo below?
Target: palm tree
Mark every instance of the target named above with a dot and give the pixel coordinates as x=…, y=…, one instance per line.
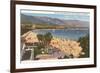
x=40, y=37
x=48, y=37
x=44, y=41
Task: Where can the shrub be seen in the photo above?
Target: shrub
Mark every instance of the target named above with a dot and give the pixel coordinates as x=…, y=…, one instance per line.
x=84, y=43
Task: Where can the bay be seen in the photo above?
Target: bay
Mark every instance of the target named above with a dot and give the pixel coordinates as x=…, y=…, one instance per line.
x=71, y=34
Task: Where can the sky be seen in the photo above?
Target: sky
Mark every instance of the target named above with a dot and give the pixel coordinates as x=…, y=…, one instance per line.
x=82, y=16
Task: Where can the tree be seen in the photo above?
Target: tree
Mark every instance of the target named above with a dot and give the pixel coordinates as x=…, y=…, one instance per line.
x=40, y=37
x=44, y=41
x=48, y=37
x=41, y=41
x=84, y=43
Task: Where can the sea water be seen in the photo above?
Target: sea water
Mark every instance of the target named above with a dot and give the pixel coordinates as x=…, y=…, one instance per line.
x=72, y=34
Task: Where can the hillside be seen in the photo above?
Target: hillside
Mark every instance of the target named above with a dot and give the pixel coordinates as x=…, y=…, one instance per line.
x=52, y=22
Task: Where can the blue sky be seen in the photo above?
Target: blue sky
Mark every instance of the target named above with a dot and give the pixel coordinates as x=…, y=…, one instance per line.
x=82, y=16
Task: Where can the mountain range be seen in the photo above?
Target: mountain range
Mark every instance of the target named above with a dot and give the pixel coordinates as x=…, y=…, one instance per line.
x=26, y=19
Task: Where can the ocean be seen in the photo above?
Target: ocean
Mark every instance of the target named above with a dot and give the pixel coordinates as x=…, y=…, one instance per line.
x=71, y=34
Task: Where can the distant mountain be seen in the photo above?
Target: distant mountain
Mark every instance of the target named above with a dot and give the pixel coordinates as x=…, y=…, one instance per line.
x=25, y=19
x=77, y=23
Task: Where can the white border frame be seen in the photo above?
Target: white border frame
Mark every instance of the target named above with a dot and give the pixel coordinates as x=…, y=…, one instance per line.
x=53, y=63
